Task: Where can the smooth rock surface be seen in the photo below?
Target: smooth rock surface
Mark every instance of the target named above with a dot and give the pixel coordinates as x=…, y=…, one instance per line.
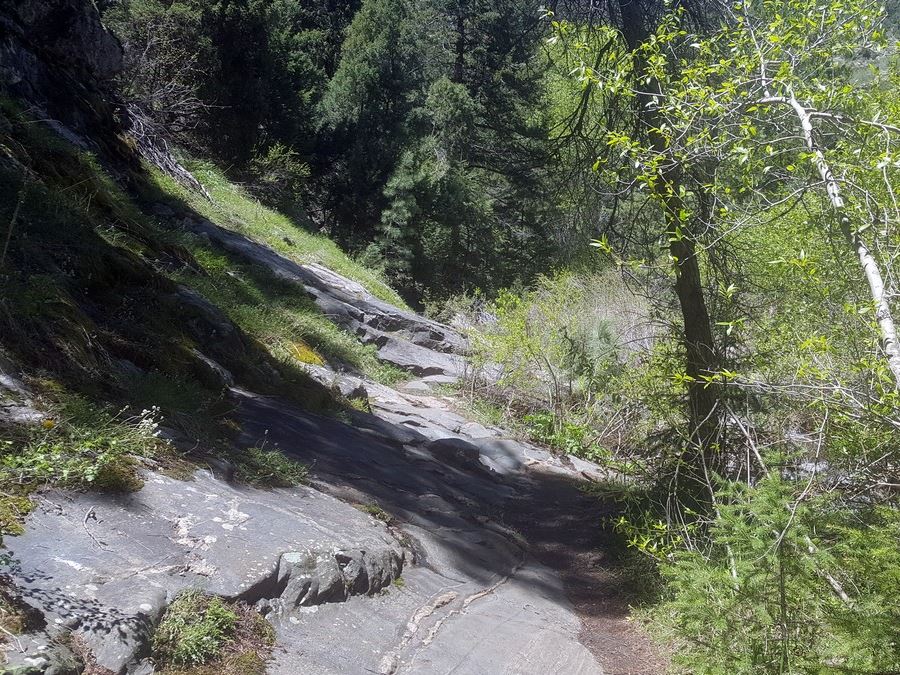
x=473, y=600
x=445, y=586
x=106, y=567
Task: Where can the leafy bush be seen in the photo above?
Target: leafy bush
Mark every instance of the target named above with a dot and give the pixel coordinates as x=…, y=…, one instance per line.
x=575, y=328
x=167, y=51
x=567, y=437
x=564, y=358
x=84, y=446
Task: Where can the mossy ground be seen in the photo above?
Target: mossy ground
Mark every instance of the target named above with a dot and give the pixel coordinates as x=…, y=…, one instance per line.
x=16, y=616
x=285, y=322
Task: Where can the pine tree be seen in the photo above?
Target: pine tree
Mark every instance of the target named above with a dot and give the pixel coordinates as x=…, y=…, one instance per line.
x=444, y=141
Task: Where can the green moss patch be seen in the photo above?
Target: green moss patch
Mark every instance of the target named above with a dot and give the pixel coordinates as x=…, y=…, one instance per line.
x=203, y=635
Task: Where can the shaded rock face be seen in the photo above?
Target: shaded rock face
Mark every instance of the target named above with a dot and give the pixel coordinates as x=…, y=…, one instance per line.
x=346, y=592
x=444, y=586
x=348, y=386
x=62, y=31
x=473, y=600
x=56, y=56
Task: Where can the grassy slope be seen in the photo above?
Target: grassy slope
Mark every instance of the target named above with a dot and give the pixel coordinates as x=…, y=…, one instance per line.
x=88, y=281
x=284, y=320
x=232, y=207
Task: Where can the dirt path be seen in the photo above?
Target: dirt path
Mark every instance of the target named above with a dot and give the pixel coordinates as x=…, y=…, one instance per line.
x=564, y=527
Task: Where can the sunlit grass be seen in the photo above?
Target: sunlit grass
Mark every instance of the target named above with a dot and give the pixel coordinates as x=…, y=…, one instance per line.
x=233, y=208
x=278, y=315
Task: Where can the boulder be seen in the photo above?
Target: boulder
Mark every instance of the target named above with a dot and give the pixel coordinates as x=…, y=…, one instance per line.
x=418, y=360
x=314, y=577
x=210, y=372
x=457, y=452
x=207, y=322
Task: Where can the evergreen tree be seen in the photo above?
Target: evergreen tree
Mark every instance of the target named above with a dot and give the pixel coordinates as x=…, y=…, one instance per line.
x=444, y=141
x=234, y=76
x=365, y=109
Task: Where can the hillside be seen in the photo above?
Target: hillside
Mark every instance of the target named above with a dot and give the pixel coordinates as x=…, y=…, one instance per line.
x=432, y=336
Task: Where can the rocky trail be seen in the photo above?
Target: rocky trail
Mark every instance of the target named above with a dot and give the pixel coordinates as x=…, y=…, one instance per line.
x=426, y=542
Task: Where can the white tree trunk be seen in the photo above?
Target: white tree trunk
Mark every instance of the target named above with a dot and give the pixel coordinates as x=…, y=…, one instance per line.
x=866, y=260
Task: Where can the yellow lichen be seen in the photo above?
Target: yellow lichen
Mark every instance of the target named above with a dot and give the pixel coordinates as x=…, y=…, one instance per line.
x=305, y=354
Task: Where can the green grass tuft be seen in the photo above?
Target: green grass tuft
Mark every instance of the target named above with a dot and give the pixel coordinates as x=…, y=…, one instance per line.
x=376, y=512
x=203, y=635
x=269, y=468
x=278, y=314
x=194, y=630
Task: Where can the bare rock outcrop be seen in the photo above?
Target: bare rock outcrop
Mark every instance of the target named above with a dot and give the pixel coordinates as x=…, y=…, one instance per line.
x=106, y=567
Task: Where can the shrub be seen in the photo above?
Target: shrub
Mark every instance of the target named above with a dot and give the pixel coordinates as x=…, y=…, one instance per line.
x=564, y=358
x=570, y=330
x=567, y=437
x=85, y=447
x=280, y=173
x=762, y=598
